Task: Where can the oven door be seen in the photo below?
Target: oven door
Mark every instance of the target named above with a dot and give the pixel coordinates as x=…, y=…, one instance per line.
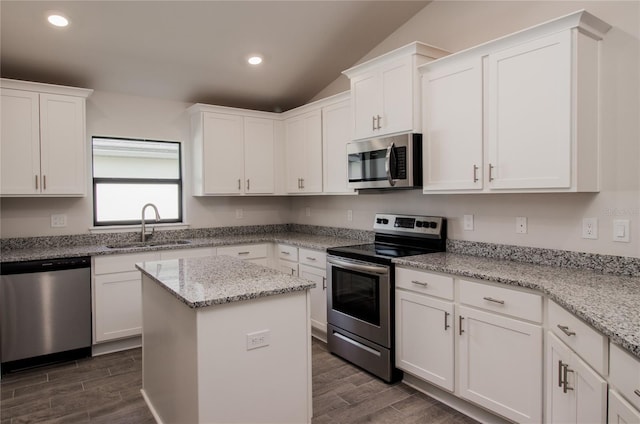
x=359, y=298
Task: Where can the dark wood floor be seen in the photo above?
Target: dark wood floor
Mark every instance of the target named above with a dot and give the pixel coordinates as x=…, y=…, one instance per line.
x=106, y=389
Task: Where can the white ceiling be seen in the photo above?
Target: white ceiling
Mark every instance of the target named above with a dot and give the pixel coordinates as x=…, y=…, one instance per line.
x=195, y=51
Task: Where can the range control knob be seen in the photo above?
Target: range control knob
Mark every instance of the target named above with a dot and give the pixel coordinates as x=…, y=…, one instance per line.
x=433, y=224
x=378, y=220
x=419, y=224
x=385, y=221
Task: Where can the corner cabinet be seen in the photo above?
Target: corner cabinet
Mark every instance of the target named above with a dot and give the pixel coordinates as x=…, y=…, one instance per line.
x=43, y=140
x=530, y=106
x=232, y=152
x=384, y=94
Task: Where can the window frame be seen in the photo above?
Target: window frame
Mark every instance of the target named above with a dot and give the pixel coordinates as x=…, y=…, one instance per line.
x=124, y=181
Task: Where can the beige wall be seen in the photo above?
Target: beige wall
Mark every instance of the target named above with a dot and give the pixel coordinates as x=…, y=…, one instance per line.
x=118, y=115
x=554, y=219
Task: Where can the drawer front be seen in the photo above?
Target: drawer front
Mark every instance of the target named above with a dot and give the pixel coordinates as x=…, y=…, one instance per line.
x=584, y=340
x=247, y=251
x=197, y=252
x=288, y=253
x=313, y=258
x=624, y=372
x=503, y=300
x=121, y=263
x=425, y=282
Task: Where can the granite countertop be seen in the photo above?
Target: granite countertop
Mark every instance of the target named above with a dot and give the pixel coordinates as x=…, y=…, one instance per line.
x=309, y=241
x=609, y=303
x=214, y=280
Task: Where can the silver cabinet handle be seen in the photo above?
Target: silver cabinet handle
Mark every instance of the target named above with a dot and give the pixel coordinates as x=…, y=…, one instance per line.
x=311, y=259
x=285, y=253
x=373, y=123
x=446, y=321
x=460, y=330
x=378, y=126
x=239, y=184
x=475, y=173
x=387, y=164
x=302, y=183
x=420, y=283
x=637, y=392
x=565, y=383
x=243, y=253
x=560, y=373
x=565, y=330
x=36, y=182
x=491, y=299
x=491, y=172
x=44, y=182
x=248, y=184
x=293, y=271
x=324, y=283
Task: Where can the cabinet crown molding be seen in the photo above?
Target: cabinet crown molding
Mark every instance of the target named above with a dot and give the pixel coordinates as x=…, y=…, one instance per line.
x=45, y=88
x=414, y=48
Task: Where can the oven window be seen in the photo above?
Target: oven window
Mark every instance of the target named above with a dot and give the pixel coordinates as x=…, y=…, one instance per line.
x=356, y=294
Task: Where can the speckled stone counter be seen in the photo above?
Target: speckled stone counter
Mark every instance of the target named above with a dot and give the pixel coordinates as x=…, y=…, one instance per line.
x=214, y=280
x=609, y=303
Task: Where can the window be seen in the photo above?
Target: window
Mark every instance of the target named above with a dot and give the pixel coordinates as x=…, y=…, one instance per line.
x=129, y=173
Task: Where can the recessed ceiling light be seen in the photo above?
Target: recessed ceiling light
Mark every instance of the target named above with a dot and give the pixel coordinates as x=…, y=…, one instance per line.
x=255, y=60
x=57, y=19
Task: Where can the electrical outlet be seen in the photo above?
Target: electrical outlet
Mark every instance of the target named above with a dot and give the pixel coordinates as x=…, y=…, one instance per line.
x=307, y=211
x=468, y=222
x=621, y=230
x=239, y=213
x=258, y=339
x=521, y=225
x=349, y=215
x=590, y=228
x=58, y=221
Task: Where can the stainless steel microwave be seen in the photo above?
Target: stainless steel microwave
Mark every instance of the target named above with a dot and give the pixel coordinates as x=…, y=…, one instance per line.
x=389, y=162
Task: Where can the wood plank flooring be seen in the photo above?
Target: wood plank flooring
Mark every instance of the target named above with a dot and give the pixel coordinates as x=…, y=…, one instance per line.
x=106, y=389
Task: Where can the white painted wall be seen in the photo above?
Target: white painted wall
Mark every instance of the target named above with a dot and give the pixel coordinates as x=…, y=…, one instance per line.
x=120, y=115
x=554, y=219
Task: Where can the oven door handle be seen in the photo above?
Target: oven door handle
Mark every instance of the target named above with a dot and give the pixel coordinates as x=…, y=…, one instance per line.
x=387, y=164
x=372, y=269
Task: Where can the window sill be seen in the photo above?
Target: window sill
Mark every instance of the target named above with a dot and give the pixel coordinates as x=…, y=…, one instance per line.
x=137, y=228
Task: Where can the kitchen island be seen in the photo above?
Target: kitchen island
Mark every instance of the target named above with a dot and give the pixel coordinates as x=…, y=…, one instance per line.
x=225, y=341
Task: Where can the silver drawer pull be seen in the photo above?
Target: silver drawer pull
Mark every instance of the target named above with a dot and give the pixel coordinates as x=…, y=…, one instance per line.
x=565, y=330
x=491, y=299
x=420, y=283
x=243, y=253
x=311, y=259
x=285, y=253
x=637, y=392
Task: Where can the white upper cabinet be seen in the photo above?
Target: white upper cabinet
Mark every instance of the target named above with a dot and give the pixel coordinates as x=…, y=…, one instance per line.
x=384, y=91
x=303, y=141
x=518, y=114
x=233, y=151
x=43, y=140
x=336, y=133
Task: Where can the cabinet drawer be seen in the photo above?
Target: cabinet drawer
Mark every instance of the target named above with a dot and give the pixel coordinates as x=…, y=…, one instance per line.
x=288, y=253
x=503, y=300
x=425, y=282
x=197, y=252
x=313, y=258
x=121, y=263
x=247, y=251
x=584, y=340
x=624, y=373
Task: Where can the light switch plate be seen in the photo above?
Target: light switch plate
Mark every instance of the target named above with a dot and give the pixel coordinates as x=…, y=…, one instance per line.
x=621, y=230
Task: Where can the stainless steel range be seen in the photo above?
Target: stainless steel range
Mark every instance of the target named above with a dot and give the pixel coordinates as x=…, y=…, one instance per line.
x=360, y=310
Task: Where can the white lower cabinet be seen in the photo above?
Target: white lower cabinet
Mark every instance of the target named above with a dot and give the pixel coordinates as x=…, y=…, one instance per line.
x=575, y=392
x=425, y=338
x=621, y=411
x=256, y=253
x=117, y=302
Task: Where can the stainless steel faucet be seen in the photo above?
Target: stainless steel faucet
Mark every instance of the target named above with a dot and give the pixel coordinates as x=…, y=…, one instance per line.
x=143, y=235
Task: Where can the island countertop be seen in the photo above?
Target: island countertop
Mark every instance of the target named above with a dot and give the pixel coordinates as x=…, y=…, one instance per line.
x=214, y=280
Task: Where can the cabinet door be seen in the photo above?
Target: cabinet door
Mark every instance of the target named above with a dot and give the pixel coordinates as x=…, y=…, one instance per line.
x=500, y=363
x=223, y=153
x=118, y=306
x=336, y=133
x=425, y=338
x=288, y=267
x=529, y=117
x=304, y=153
x=318, y=295
x=397, y=97
x=452, y=126
x=259, y=145
x=365, y=104
x=575, y=392
x=620, y=411
x=20, y=143
x=62, y=145
x=295, y=151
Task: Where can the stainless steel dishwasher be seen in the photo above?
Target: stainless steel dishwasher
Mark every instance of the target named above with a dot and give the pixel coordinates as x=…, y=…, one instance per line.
x=45, y=311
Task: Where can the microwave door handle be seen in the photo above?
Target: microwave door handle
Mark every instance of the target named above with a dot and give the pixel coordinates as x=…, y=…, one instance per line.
x=387, y=164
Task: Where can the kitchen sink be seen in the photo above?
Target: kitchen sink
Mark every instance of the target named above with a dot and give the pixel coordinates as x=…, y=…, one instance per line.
x=141, y=244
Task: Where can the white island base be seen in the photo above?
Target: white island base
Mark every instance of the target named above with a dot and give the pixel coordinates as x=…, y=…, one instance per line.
x=197, y=367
